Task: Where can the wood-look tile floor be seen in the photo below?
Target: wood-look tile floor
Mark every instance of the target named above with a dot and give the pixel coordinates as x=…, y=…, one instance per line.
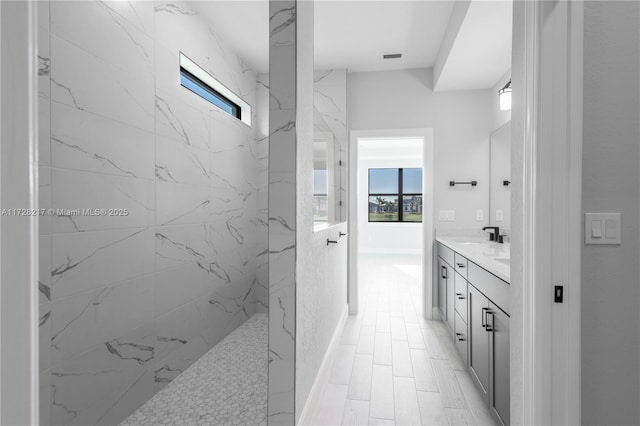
x=393, y=367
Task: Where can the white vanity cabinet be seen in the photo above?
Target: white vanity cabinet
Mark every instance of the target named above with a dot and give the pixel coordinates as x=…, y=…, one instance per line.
x=480, y=326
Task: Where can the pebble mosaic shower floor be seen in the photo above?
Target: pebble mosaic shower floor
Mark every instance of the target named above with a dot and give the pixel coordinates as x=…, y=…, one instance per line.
x=227, y=386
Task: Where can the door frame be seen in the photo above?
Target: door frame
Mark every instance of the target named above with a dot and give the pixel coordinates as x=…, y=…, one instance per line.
x=19, y=387
x=546, y=208
x=427, y=196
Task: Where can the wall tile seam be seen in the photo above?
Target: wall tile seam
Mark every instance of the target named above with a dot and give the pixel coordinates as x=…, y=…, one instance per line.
x=102, y=116
x=101, y=59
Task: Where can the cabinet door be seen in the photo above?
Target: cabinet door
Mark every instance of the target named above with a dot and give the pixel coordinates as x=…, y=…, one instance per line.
x=478, y=340
x=442, y=289
x=451, y=295
x=500, y=400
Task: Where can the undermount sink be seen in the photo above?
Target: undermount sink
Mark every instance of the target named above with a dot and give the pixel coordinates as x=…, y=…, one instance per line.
x=503, y=260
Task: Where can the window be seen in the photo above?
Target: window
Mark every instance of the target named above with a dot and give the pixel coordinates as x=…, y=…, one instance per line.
x=206, y=86
x=194, y=84
x=395, y=195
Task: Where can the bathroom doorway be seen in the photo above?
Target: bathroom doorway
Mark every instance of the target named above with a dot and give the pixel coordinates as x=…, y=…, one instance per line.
x=391, y=219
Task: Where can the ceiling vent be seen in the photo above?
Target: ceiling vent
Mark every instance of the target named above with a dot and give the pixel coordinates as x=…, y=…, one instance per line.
x=391, y=55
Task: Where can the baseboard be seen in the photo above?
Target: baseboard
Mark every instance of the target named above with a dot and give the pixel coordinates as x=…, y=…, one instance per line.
x=322, y=378
x=389, y=251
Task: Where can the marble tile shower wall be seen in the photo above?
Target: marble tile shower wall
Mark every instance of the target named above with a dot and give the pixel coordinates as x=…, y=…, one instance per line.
x=128, y=302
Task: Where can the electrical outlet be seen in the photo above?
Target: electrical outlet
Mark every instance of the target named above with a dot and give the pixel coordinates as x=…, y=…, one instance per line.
x=479, y=215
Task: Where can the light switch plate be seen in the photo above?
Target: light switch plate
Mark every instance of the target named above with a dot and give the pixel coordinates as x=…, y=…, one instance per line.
x=602, y=228
x=479, y=215
x=499, y=215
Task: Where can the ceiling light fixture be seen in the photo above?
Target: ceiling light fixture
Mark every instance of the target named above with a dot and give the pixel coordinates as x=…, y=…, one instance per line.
x=504, y=95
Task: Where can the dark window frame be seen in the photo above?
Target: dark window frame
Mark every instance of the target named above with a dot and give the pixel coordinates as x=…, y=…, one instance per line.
x=236, y=110
x=400, y=195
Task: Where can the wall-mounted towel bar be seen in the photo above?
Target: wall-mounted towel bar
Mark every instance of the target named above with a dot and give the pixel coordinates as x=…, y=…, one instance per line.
x=341, y=236
x=454, y=183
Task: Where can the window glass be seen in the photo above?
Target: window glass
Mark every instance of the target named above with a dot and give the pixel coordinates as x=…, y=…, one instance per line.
x=383, y=209
x=412, y=181
x=201, y=89
x=383, y=181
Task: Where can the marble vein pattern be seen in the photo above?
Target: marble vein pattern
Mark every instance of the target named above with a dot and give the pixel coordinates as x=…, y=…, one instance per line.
x=227, y=385
x=282, y=212
x=129, y=302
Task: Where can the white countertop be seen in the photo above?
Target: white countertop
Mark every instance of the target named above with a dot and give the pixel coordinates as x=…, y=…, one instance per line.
x=493, y=257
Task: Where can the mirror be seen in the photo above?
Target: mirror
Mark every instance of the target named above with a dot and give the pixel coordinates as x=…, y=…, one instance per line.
x=500, y=177
x=322, y=177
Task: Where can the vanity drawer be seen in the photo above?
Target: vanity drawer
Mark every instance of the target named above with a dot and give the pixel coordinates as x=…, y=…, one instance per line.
x=461, y=265
x=461, y=339
x=446, y=254
x=495, y=289
x=461, y=297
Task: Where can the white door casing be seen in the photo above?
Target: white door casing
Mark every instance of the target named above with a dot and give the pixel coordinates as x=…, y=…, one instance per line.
x=427, y=196
x=546, y=206
x=19, y=233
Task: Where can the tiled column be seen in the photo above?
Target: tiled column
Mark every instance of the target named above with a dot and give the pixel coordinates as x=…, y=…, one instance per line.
x=290, y=116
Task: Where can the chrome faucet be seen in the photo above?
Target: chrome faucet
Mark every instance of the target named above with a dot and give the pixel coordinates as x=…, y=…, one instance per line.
x=493, y=236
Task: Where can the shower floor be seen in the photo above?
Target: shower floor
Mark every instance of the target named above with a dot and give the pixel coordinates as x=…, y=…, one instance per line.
x=227, y=386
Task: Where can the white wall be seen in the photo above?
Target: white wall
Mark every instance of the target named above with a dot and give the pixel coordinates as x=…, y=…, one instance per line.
x=380, y=237
x=461, y=122
x=611, y=172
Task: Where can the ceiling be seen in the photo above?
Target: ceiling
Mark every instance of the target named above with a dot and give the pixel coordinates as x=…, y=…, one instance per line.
x=353, y=34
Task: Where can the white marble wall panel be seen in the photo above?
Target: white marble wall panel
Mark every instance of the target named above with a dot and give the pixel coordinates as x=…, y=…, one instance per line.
x=180, y=204
x=84, y=141
x=282, y=211
x=44, y=335
x=44, y=273
x=180, y=285
x=90, y=318
x=180, y=163
x=88, y=388
x=98, y=28
x=181, y=121
x=44, y=50
x=84, y=261
x=82, y=80
x=45, y=397
x=260, y=152
x=128, y=302
x=125, y=202
x=44, y=123
x=44, y=198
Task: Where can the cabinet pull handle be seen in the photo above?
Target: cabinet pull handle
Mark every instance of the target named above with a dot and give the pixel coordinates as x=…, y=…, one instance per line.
x=489, y=327
x=444, y=272
x=460, y=265
x=460, y=337
x=484, y=317
x=460, y=296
